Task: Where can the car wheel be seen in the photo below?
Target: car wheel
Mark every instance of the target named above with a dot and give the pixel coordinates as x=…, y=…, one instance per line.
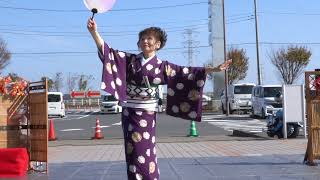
x=252, y=113
x=292, y=131
x=263, y=115
x=223, y=110
x=230, y=110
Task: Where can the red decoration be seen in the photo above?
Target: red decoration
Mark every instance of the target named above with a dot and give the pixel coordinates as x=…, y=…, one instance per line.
x=16, y=88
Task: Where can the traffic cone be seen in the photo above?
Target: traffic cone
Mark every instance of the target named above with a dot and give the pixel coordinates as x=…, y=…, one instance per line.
x=52, y=135
x=98, y=132
x=193, y=130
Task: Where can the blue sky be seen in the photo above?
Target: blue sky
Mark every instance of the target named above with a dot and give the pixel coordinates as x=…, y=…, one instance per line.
x=46, y=37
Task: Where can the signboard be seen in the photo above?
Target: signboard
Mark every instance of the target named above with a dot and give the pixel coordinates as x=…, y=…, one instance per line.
x=93, y=94
x=78, y=94
x=293, y=106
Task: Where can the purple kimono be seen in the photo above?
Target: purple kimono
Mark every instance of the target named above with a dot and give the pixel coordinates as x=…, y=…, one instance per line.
x=136, y=86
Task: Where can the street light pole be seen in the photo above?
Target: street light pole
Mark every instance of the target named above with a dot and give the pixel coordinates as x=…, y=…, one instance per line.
x=226, y=80
x=257, y=41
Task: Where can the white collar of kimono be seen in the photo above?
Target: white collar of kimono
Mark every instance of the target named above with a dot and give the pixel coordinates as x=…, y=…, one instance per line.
x=144, y=60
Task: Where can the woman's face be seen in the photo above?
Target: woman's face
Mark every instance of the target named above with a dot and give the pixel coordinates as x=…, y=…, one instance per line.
x=149, y=44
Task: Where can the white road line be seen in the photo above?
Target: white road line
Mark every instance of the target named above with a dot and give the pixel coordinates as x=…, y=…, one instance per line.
x=248, y=125
x=101, y=127
x=252, y=155
x=66, y=130
x=117, y=124
x=67, y=119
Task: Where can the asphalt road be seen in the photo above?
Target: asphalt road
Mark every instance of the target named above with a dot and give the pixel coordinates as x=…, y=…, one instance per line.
x=82, y=127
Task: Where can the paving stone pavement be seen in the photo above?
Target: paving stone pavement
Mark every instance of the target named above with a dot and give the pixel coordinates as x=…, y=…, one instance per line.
x=205, y=160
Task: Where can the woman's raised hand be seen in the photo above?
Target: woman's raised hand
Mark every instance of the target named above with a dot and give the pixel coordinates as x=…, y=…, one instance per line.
x=92, y=25
x=220, y=67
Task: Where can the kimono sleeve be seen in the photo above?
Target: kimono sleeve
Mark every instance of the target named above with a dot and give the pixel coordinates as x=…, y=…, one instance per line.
x=114, y=72
x=184, y=93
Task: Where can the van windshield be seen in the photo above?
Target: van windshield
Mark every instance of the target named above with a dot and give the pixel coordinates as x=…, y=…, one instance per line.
x=109, y=98
x=243, y=89
x=54, y=98
x=271, y=91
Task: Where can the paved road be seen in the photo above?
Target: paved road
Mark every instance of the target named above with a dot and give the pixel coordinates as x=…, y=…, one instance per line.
x=81, y=126
x=236, y=122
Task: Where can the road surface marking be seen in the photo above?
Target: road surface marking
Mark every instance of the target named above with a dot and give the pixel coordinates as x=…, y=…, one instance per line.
x=66, y=130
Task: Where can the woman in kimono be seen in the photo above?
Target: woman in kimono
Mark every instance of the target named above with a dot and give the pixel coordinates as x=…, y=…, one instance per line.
x=134, y=79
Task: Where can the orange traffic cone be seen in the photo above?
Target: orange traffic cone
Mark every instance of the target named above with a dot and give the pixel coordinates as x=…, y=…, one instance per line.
x=98, y=132
x=52, y=135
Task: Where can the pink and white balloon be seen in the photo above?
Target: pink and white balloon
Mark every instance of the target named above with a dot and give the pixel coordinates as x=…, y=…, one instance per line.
x=99, y=6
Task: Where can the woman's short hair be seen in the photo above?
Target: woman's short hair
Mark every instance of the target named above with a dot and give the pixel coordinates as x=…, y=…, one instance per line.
x=157, y=32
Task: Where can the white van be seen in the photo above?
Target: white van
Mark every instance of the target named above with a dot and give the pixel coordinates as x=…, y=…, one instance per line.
x=239, y=97
x=56, y=105
x=110, y=104
x=265, y=100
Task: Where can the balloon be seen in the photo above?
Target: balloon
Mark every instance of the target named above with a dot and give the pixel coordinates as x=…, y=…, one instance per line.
x=101, y=5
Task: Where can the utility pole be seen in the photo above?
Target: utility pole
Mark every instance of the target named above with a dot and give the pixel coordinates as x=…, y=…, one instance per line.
x=257, y=42
x=216, y=41
x=226, y=80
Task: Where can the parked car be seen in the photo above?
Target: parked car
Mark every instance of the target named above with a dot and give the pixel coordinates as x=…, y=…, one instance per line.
x=56, y=106
x=239, y=97
x=205, y=100
x=265, y=101
x=110, y=104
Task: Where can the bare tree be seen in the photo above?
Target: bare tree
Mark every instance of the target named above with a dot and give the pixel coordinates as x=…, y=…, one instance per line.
x=50, y=82
x=84, y=81
x=239, y=66
x=58, y=82
x=71, y=81
x=14, y=77
x=5, y=55
x=290, y=62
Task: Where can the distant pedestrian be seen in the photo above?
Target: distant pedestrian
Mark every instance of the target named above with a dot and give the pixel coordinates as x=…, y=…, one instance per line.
x=134, y=80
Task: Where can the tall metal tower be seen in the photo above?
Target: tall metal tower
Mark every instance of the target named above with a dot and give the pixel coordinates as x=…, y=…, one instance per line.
x=191, y=45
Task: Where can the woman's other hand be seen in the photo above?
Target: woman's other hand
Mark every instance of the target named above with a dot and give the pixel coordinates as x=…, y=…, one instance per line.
x=220, y=67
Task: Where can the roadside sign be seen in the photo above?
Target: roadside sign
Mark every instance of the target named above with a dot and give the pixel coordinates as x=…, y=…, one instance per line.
x=93, y=94
x=78, y=94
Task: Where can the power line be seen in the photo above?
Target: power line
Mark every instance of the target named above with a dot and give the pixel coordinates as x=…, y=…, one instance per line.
x=172, y=48
x=289, y=13
x=105, y=32
x=91, y=52
x=247, y=19
x=275, y=43
x=110, y=33
x=114, y=10
x=83, y=35
x=231, y=19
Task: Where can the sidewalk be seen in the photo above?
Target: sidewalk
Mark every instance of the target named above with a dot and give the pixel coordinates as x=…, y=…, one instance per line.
x=206, y=160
